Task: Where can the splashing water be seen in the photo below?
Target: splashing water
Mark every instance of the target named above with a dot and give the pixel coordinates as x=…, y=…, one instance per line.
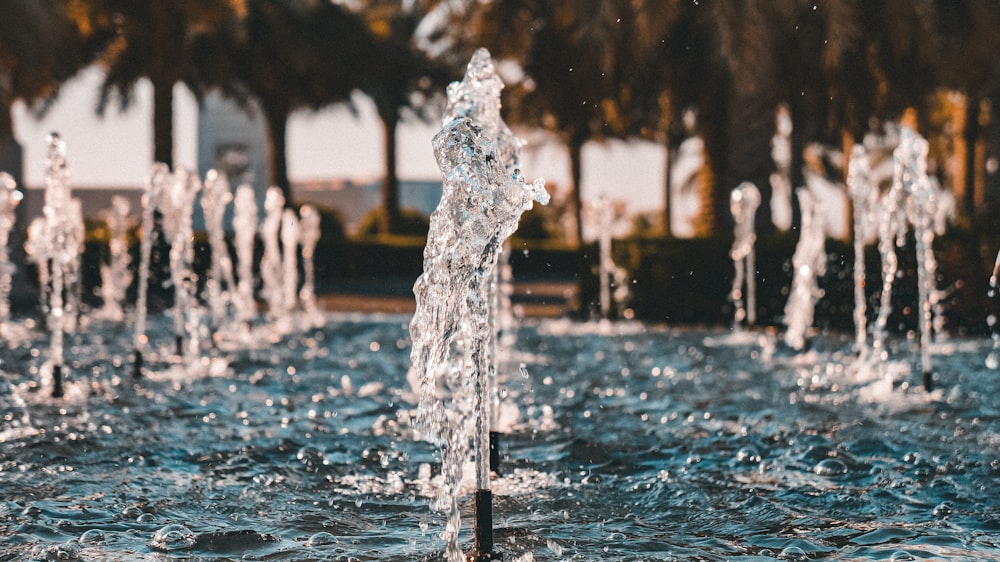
x=175, y=199
x=116, y=275
x=863, y=191
x=743, y=203
x=925, y=213
x=54, y=245
x=10, y=197
x=481, y=203
x=808, y=263
x=613, y=285
x=289, y=261
x=244, y=233
x=271, y=264
x=993, y=359
x=220, y=284
x=309, y=234
x=891, y=233
x=150, y=185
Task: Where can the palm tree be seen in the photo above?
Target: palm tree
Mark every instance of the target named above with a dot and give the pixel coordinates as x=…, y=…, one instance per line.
x=968, y=33
x=288, y=55
x=400, y=78
x=569, y=53
x=156, y=40
x=42, y=44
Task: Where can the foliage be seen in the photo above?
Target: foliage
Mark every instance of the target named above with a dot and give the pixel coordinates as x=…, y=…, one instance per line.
x=331, y=225
x=287, y=56
x=158, y=41
x=401, y=79
x=42, y=44
x=412, y=223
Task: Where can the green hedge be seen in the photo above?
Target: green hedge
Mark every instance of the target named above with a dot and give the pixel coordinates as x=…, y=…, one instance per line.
x=688, y=281
x=678, y=282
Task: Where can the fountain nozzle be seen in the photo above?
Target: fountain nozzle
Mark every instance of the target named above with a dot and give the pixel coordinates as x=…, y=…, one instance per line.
x=495, y=452
x=928, y=380
x=482, y=551
x=137, y=364
x=57, y=389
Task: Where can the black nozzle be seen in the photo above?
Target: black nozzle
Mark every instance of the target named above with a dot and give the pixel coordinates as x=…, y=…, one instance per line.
x=179, y=340
x=495, y=452
x=483, y=549
x=928, y=380
x=57, y=388
x=137, y=364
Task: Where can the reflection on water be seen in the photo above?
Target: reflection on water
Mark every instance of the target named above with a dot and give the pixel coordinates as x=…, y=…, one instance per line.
x=623, y=443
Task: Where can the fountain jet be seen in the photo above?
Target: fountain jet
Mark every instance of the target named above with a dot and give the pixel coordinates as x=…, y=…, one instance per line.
x=54, y=245
x=483, y=197
x=743, y=203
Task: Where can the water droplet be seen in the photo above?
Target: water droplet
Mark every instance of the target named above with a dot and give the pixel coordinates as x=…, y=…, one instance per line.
x=748, y=455
x=93, y=536
x=173, y=537
x=65, y=551
x=792, y=553
x=131, y=512
x=145, y=518
x=900, y=556
x=830, y=467
x=942, y=510
x=321, y=538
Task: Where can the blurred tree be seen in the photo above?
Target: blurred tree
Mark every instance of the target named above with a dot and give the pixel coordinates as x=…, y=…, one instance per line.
x=156, y=40
x=287, y=55
x=401, y=78
x=678, y=68
x=968, y=33
x=571, y=59
x=42, y=44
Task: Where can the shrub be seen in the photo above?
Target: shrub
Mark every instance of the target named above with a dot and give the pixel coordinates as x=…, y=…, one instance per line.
x=412, y=223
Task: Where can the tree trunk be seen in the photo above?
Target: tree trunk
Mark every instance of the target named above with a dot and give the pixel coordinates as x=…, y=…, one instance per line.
x=668, y=191
x=276, y=115
x=391, y=215
x=575, y=173
x=163, y=122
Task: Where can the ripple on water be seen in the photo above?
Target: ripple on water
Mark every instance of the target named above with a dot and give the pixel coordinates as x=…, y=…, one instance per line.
x=879, y=536
x=63, y=551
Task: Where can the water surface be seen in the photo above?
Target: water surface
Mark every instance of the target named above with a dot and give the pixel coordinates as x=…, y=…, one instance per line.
x=622, y=442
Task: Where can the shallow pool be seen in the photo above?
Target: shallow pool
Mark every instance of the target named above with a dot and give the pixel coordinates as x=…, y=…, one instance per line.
x=621, y=442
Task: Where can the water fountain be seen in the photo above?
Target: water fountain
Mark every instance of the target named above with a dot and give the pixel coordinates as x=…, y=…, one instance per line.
x=10, y=197
x=272, y=289
x=54, y=246
x=451, y=329
x=116, y=274
x=309, y=235
x=808, y=263
x=289, y=265
x=220, y=285
x=244, y=234
x=612, y=279
x=913, y=201
x=629, y=445
x=175, y=199
x=863, y=191
x=925, y=215
x=993, y=359
x=743, y=203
